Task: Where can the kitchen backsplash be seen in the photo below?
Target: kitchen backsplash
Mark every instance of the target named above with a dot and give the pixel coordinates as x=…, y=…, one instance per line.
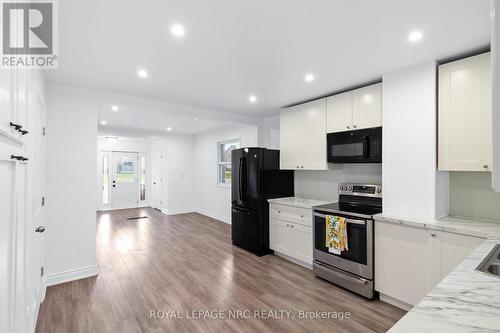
x=323, y=185
x=471, y=196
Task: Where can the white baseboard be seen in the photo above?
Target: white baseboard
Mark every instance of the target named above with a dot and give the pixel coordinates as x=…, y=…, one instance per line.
x=176, y=211
x=77, y=274
x=397, y=303
x=213, y=215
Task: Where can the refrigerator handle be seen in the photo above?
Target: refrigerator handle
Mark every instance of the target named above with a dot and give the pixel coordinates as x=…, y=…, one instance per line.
x=245, y=179
x=240, y=166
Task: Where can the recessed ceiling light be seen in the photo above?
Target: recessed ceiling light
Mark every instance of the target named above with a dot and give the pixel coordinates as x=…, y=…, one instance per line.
x=195, y=119
x=142, y=73
x=177, y=30
x=169, y=129
x=252, y=99
x=309, y=77
x=103, y=122
x=415, y=36
x=114, y=107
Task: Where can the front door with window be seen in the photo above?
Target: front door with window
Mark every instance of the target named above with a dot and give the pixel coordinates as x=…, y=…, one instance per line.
x=124, y=180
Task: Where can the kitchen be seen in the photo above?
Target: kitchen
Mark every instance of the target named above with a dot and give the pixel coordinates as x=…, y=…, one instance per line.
x=263, y=166
x=404, y=243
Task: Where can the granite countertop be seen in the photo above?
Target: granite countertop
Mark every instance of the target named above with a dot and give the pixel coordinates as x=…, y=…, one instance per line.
x=465, y=300
x=298, y=202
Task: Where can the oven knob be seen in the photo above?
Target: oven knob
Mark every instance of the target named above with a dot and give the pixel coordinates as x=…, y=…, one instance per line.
x=379, y=190
x=350, y=188
x=343, y=188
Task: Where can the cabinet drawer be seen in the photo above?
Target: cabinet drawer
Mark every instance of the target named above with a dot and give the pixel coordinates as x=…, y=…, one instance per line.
x=292, y=214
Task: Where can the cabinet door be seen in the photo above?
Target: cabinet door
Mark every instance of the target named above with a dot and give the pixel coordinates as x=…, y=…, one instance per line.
x=313, y=136
x=401, y=262
x=448, y=250
x=7, y=237
x=367, y=107
x=290, y=138
x=339, y=116
x=302, y=245
x=465, y=115
x=7, y=100
x=280, y=238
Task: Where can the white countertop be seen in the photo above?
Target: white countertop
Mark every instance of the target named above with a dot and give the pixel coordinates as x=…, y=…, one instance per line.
x=465, y=300
x=298, y=202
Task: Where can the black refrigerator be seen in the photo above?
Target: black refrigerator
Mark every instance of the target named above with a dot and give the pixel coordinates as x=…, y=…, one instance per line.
x=255, y=178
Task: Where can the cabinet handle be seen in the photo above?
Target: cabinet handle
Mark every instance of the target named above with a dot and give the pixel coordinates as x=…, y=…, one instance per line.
x=23, y=132
x=433, y=234
x=287, y=225
x=17, y=127
x=348, y=127
x=302, y=167
x=279, y=211
x=14, y=157
x=291, y=226
x=302, y=216
x=485, y=166
x=355, y=126
x=298, y=167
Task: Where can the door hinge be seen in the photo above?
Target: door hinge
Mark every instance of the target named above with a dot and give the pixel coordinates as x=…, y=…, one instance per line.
x=43, y=130
x=41, y=271
x=43, y=201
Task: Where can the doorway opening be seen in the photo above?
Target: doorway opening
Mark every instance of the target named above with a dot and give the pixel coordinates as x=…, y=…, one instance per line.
x=124, y=180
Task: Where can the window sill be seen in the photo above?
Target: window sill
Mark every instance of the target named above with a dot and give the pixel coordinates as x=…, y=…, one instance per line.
x=223, y=185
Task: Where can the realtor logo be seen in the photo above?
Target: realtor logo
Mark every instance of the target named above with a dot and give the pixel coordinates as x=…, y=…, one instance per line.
x=29, y=34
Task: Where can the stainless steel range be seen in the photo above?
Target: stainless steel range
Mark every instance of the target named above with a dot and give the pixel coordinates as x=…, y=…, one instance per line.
x=353, y=268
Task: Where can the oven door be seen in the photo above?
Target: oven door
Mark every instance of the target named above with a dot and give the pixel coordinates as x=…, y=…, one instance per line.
x=359, y=258
x=360, y=146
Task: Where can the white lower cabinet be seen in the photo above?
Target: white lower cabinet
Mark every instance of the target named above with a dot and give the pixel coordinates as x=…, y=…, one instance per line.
x=410, y=261
x=290, y=232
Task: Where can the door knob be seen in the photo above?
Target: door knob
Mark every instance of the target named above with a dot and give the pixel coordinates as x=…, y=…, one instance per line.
x=40, y=229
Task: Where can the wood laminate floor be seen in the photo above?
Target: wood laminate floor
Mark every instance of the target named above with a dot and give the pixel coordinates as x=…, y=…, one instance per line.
x=184, y=265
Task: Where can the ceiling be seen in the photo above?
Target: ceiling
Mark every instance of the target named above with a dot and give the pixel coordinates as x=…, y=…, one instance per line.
x=232, y=49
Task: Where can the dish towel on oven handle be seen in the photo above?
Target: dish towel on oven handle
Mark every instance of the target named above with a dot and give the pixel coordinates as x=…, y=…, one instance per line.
x=336, y=234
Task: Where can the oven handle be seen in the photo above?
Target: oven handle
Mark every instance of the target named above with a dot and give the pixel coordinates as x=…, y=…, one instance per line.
x=347, y=220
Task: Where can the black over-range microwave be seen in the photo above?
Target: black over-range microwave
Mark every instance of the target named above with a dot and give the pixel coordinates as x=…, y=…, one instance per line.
x=358, y=146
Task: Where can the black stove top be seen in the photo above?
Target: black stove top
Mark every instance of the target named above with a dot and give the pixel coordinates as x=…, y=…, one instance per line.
x=347, y=208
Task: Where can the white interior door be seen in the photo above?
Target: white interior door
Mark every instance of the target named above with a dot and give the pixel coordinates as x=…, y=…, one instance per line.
x=125, y=185
x=156, y=174
x=36, y=227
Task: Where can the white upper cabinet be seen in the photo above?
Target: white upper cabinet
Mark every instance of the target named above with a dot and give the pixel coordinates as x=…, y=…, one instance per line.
x=290, y=138
x=339, y=112
x=465, y=115
x=356, y=109
x=367, y=107
x=303, y=136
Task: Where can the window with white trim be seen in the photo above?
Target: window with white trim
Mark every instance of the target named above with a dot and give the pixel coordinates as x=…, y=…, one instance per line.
x=224, y=160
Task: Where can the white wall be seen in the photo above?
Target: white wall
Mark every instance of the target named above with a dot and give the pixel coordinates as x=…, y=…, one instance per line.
x=269, y=133
x=210, y=198
x=412, y=186
x=71, y=192
x=178, y=173
x=323, y=185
